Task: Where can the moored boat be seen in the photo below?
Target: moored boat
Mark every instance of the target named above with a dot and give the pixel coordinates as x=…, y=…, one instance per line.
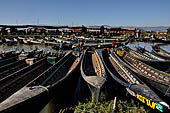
x=1, y=41
x=12, y=67
x=14, y=81
x=149, y=54
x=8, y=57
x=160, y=52
x=158, y=79
x=150, y=59
x=43, y=87
x=20, y=40
x=33, y=41
x=19, y=63
x=7, y=54
x=127, y=78
x=93, y=72
x=25, y=41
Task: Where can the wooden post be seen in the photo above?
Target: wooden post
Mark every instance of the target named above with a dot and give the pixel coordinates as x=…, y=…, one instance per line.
x=114, y=105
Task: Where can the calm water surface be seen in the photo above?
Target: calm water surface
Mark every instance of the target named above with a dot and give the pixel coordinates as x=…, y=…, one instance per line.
x=26, y=48
x=148, y=46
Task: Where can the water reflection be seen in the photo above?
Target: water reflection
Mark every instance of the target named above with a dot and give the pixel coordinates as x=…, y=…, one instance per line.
x=148, y=46
x=27, y=48
x=166, y=47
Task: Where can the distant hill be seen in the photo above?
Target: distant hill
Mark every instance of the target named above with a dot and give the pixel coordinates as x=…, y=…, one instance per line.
x=158, y=28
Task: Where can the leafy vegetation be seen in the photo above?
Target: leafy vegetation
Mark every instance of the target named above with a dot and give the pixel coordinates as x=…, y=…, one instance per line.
x=122, y=106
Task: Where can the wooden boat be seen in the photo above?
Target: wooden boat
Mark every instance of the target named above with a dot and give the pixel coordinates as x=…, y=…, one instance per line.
x=59, y=40
x=8, y=42
x=33, y=41
x=20, y=40
x=28, y=70
x=161, y=41
x=124, y=76
x=7, y=54
x=15, y=41
x=43, y=87
x=150, y=59
x=14, y=81
x=158, y=79
x=11, y=42
x=31, y=54
x=12, y=67
x=160, y=52
x=93, y=72
x=1, y=41
x=51, y=43
x=25, y=41
x=8, y=60
x=149, y=54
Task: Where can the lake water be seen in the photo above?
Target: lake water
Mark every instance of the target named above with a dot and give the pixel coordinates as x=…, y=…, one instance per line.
x=26, y=48
x=148, y=46
x=49, y=48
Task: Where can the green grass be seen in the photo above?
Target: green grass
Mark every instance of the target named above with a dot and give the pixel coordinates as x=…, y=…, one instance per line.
x=122, y=106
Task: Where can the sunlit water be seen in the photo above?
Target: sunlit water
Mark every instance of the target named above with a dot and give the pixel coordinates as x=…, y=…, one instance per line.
x=26, y=48
x=148, y=46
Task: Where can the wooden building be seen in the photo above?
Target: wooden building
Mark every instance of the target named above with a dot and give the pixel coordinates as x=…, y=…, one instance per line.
x=95, y=30
x=78, y=30
x=114, y=31
x=121, y=31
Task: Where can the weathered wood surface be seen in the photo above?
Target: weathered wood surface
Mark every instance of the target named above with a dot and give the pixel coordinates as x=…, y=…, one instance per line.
x=149, y=73
x=160, y=52
x=20, y=78
x=20, y=96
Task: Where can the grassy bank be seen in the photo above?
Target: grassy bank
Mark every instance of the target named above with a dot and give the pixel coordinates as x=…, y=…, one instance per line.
x=121, y=106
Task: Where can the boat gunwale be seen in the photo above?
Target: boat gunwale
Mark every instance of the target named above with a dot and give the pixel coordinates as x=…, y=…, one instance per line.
x=141, y=73
x=161, y=55
x=123, y=82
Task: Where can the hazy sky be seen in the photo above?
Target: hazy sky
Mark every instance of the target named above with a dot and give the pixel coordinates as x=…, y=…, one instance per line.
x=86, y=12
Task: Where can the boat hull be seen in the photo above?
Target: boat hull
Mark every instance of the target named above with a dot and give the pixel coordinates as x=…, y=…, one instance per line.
x=94, y=81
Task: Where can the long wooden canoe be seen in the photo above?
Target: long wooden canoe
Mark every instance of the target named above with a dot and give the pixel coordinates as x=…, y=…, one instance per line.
x=126, y=77
x=149, y=54
x=93, y=72
x=15, y=81
x=160, y=52
x=8, y=60
x=158, y=79
x=14, y=66
x=6, y=55
x=150, y=59
x=41, y=88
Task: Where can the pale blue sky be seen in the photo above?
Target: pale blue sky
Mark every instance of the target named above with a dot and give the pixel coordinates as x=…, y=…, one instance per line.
x=87, y=12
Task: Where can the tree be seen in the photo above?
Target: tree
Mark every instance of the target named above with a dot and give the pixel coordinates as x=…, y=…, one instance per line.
x=102, y=30
x=168, y=30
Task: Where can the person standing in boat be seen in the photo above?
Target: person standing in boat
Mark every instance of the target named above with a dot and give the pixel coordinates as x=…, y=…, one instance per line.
x=22, y=51
x=113, y=44
x=61, y=46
